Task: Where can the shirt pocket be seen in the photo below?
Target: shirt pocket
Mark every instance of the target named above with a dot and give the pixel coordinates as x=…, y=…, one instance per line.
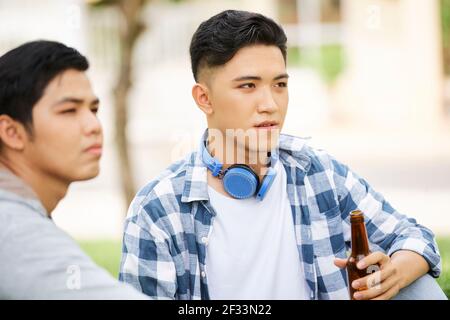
x=328, y=244
x=327, y=234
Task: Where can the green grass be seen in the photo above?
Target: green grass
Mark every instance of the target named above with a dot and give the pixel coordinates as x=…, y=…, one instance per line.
x=107, y=253
x=444, y=279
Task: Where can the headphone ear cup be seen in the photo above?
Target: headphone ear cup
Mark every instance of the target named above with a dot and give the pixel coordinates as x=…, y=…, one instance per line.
x=240, y=181
x=266, y=183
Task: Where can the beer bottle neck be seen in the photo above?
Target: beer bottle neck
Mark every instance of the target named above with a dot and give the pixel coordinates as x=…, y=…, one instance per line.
x=360, y=244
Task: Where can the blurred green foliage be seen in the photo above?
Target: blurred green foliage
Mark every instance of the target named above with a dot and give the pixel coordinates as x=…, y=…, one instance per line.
x=328, y=60
x=445, y=17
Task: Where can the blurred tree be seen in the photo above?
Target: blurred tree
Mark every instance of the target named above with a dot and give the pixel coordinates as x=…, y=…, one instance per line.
x=129, y=31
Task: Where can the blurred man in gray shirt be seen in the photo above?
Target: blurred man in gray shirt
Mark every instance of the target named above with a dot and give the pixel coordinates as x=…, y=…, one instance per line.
x=49, y=137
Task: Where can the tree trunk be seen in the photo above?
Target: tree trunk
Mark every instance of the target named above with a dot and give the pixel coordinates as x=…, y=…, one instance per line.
x=132, y=27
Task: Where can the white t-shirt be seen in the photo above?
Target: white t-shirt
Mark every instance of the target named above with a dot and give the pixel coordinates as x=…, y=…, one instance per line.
x=252, y=252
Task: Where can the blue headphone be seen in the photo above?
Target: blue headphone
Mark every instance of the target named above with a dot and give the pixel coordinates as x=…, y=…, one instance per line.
x=239, y=180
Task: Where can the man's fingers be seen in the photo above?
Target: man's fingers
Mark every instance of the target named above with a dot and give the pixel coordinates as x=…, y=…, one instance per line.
x=340, y=263
x=373, y=259
x=392, y=292
x=373, y=279
x=378, y=290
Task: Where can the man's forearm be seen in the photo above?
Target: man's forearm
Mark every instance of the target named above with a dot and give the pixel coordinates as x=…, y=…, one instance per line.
x=411, y=266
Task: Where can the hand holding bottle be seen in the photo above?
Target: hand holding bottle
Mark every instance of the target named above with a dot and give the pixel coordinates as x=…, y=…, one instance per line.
x=369, y=275
x=383, y=284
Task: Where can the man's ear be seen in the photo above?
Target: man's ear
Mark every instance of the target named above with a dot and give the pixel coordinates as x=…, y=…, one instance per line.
x=12, y=133
x=201, y=95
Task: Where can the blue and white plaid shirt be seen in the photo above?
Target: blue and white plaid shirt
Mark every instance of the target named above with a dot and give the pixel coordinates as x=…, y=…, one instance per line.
x=169, y=223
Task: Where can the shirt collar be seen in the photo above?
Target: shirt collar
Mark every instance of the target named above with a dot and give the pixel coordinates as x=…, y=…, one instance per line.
x=290, y=151
x=293, y=152
x=14, y=188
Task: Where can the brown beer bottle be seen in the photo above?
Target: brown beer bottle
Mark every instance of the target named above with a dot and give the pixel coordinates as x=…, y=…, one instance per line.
x=360, y=249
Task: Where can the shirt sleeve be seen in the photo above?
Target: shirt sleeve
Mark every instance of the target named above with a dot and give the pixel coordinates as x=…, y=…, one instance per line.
x=146, y=260
x=40, y=261
x=386, y=227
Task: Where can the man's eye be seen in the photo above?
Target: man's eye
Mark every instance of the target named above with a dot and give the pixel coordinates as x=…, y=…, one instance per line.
x=247, y=85
x=69, y=111
x=281, y=84
x=94, y=110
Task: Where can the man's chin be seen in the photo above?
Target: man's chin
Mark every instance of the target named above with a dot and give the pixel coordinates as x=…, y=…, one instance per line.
x=89, y=174
x=268, y=147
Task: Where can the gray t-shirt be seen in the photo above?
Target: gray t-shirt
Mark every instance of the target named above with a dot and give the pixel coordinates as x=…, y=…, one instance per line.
x=40, y=261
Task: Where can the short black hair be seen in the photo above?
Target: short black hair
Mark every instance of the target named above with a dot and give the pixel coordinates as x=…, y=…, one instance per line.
x=26, y=71
x=218, y=39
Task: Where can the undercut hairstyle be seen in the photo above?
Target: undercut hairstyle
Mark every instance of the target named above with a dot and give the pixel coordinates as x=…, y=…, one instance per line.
x=26, y=71
x=217, y=39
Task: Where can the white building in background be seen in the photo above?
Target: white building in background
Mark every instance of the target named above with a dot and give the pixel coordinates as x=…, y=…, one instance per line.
x=394, y=78
x=392, y=85
x=26, y=20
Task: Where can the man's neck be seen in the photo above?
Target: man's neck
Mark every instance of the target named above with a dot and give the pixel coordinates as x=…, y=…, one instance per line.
x=48, y=189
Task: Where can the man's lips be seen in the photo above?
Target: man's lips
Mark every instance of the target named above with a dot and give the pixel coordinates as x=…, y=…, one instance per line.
x=267, y=125
x=95, y=149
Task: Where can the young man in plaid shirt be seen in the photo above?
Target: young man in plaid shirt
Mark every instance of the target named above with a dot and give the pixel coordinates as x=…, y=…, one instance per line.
x=255, y=214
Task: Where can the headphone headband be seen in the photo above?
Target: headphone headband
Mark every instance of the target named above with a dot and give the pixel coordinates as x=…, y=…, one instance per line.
x=239, y=180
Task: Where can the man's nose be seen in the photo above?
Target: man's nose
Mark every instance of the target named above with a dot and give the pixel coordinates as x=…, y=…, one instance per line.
x=91, y=124
x=267, y=102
